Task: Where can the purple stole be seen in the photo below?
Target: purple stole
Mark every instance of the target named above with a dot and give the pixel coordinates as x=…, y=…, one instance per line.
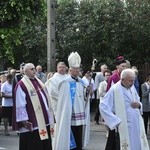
x=29, y=107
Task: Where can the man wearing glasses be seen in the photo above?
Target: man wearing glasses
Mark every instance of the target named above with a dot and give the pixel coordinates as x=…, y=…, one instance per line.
x=33, y=115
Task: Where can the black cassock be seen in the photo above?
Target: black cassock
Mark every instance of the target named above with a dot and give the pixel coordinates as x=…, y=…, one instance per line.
x=113, y=141
x=32, y=141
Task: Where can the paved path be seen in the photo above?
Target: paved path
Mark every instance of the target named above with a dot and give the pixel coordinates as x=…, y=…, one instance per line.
x=97, y=139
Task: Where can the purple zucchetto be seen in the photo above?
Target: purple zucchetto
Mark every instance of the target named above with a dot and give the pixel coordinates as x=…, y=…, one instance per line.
x=119, y=60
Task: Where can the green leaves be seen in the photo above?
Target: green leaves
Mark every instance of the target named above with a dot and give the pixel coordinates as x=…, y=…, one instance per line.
x=23, y=30
x=98, y=29
x=105, y=29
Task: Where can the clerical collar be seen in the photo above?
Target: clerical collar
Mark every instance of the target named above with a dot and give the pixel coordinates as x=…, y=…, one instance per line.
x=125, y=87
x=75, y=78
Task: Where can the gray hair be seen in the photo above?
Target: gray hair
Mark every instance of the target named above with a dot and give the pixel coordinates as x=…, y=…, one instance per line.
x=103, y=66
x=27, y=66
x=127, y=73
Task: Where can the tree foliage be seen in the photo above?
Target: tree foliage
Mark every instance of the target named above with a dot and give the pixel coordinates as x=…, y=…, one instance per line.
x=100, y=29
x=23, y=30
x=103, y=29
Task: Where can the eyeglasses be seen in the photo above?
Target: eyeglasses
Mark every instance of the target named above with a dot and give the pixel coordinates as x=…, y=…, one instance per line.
x=32, y=69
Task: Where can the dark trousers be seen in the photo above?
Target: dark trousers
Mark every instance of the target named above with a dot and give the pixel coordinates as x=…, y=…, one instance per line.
x=146, y=116
x=0, y=115
x=7, y=113
x=32, y=141
x=92, y=104
x=97, y=114
x=113, y=143
x=77, y=132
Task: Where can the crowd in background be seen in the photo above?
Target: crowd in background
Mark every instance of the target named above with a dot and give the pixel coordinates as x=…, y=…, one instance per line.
x=87, y=75
x=98, y=81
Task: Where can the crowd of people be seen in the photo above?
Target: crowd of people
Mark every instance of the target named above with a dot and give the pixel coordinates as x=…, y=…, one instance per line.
x=52, y=111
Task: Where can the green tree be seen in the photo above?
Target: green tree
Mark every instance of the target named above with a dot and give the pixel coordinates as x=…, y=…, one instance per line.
x=105, y=28
x=23, y=30
x=100, y=29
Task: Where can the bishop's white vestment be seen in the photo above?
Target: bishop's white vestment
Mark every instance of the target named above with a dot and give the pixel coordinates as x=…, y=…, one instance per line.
x=68, y=113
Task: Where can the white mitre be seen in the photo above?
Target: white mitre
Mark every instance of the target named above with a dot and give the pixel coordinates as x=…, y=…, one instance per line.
x=74, y=60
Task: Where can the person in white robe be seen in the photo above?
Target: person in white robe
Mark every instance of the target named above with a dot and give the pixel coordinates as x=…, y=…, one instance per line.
x=71, y=106
x=121, y=109
x=52, y=87
x=53, y=83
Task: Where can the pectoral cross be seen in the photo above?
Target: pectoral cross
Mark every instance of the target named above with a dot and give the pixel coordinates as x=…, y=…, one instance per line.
x=73, y=89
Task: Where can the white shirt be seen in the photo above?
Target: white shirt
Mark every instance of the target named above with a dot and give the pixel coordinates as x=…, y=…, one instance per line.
x=102, y=89
x=7, y=89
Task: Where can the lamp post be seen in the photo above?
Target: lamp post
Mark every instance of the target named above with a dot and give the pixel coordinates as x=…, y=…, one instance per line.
x=51, y=41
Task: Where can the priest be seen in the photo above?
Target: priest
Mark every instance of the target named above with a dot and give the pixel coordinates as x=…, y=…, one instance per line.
x=52, y=87
x=120, y=63
x=32, y=112
x=71, y=108
x=53, y=83
x=121, y=109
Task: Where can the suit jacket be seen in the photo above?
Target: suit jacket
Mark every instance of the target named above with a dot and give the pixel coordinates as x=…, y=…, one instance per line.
x=145, y=97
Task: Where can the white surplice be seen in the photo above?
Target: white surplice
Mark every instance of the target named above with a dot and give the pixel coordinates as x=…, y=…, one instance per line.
x=107, y=110
x=52, y=87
